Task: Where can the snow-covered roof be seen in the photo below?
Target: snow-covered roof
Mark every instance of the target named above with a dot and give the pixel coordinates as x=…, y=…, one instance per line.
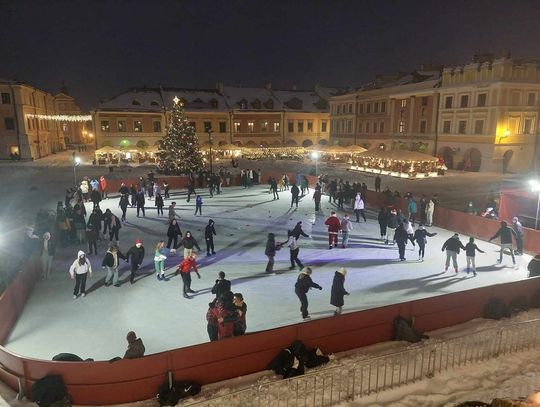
x=135, y=99
x=301, y=100
x=240, y=98
x=195, y=99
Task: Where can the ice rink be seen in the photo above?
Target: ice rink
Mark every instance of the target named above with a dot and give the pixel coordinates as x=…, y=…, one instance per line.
x=96, y=326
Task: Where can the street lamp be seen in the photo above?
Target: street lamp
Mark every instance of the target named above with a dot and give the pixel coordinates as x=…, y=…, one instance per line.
x=76, y=163
x=209, y=131
x=315, y=156
x=535, y=187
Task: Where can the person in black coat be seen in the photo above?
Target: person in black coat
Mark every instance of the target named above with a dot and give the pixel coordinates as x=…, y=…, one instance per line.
x=94, y=221
x=338, y=290
x=135, y=256
x=505, y=233
x=172, y=234
x=159, y=204
x=221, y=286
x=295, y=192
x=302, y=286
x=401, y=238
x=534, y=266
x=270, y=251
x=297, y=231
x=392, y=224
x=382, y=218
x=124, y=203
x=140, y=202
x=114, y=227
x=209, y=233
x=452, y=247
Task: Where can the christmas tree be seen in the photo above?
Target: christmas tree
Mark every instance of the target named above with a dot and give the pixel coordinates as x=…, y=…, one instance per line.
x=179, y=151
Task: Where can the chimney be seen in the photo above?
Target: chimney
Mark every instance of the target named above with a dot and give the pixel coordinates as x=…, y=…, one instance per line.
x=268, y=85
x=219, y=87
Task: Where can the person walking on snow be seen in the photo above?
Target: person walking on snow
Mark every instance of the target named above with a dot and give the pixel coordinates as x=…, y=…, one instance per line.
x=295, y=192
x=292, y=243
x=359, y=207
x=185, y=268
x=209, y=233
x=452, y=247
x=111, y=264
x=505, y=233
x=124, y=203
x=346, y=228
x=302, y=286
x=338, y=291
x=470, y=251
x=159, y=261
x=334, y=226
x=80, y=270
x=136, y=255
x=420, y=236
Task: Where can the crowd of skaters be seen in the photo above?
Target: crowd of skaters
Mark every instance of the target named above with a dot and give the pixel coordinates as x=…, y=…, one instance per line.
x=395, y=228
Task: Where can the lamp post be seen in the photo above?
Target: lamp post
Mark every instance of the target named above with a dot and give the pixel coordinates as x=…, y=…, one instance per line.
x=76, y=163
x=209, y=131
x=315, y=156
x=535, y=187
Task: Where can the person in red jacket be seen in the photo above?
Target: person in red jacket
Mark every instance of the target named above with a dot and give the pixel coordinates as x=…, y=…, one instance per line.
x=334, y=226
x=103, y=186
x=185, y=268
x=226, y=314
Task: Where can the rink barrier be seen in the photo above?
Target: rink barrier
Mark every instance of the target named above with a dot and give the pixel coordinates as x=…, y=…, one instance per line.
x=350, y=381
x=103, y=383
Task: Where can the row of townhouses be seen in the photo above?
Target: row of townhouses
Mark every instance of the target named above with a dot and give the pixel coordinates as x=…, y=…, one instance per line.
x=482, y=116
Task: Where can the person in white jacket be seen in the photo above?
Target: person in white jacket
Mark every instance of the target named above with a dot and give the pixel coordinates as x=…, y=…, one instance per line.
x=359, y=208
x=429, y=212
x=79, y=270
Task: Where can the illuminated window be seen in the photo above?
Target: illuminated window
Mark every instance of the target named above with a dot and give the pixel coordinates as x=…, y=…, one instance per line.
x=105, y=126
x=251, y=127
x=276, y=127
x=237, y=127
x=137, y=126
x=194, y=125
x=122, y=126
x=404, y=103
x=401, y=126
x=264, y=126
x=310, y=127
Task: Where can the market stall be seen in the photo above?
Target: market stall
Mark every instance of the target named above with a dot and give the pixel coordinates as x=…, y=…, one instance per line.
x=107, y=155
x=274, y=152
x=398, y=163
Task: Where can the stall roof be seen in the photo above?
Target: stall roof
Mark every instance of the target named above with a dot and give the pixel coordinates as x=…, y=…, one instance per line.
x=401, y=155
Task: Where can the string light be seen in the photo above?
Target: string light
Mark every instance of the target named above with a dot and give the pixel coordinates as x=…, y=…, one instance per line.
x=60, y=117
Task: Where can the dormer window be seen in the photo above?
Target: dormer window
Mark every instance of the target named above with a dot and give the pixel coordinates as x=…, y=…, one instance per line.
x=213, y=103
x=269, y=104
x=154, y=103
x=197, y=101
x=135, y=102
x=256, y=104
x=243, y=104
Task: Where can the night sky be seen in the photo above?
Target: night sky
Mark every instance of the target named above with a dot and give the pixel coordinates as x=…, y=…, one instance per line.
x=101, y=48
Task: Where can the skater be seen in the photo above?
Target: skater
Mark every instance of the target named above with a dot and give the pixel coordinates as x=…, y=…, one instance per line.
x=338, y=290
x=172, y=212
x=133, y=193
x=124, y=202
x=198, y=205
x=401, y=238
x=317, y=198
x=410, y=231
x=518, y=229
x=302, y=286
x=359, y=208
x=140, y=202
x=111, y=264
x=159, y=261
x=226, y=314
x=452, y=247
x=292, y=243
x=166, y=189
x=189, y=243
x=114, y=227
x=470, y=250
x=136, y=255
x=191, y=190
x=298, y=231
x=274, y=188
x=420, y=236
x=377, y=184
x=382, y=218
x=346, y=228
x=48, y=250
x=391, y=224
x=209, y=233
x=270, y=251
x=423, y=210
x=159, y=204
x=156, y=188
x=304, y=185
x=334, y=226
x=294, y=195
x=221, y=286
x=505, y=233
x=240, y=325
x=80, y=270
x=429, y=212
x=212, y=322
x=185, y=268
x=172, y=235
x=412, y=208
x=103, y=187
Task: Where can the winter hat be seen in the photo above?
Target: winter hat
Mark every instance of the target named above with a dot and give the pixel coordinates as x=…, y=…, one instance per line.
x=456, y=235
x=137, y=241
x=343, y=271
x=80, y=253
x=46, y=235
x=515, y=219
x=307, y=270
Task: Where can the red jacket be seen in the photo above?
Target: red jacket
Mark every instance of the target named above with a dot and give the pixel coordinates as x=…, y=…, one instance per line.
x=103, y=183
x=187, y=265
x=225, y=328
x=333, y=223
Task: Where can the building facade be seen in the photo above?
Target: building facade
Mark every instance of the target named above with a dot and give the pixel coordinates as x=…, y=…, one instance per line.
x=236, y=115
x=482, y=116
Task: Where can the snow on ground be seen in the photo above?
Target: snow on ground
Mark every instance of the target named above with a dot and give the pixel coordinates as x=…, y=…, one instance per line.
x=97, y=324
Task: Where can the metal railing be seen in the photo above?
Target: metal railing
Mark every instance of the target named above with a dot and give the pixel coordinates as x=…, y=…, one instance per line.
x=352, y=380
